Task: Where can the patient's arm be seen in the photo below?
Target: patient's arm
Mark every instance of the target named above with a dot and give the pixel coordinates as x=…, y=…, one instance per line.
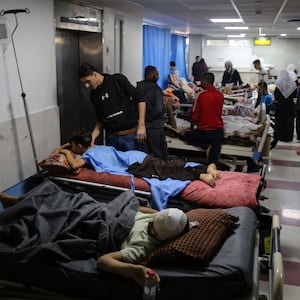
x=64, y=146
x=147, y=210
x=113, y=263
x=75, y=163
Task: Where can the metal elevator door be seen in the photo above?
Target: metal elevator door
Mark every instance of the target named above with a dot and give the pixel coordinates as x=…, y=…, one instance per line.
x=73, y=48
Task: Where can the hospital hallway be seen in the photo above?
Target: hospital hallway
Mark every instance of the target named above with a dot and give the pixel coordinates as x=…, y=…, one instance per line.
x=283, y=193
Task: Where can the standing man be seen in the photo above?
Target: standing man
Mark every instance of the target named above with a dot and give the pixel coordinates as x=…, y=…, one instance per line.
x=207, y=115
x=262, y=73
x=119, y=107
x=155, y=142
x=199, y=67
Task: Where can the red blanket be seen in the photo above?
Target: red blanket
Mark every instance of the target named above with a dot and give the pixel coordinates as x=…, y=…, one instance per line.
x=233, y=189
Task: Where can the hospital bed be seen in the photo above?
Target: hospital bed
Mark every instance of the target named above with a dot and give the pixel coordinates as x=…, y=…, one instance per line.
x=234, y=269
x=232, y=155
x=233, y=189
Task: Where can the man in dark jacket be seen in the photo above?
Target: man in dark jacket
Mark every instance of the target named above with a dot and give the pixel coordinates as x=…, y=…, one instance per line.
x=198, y=69
x=155, y=142
x=120, y=109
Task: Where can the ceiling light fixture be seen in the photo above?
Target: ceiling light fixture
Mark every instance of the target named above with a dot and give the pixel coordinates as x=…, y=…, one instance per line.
x=298, y=28
x=236, y=28
x=226, y=20
x=283, y=34
x=236, y=35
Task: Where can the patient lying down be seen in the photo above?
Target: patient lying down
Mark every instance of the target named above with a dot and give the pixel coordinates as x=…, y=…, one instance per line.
x=135, y=162
x=129, y=233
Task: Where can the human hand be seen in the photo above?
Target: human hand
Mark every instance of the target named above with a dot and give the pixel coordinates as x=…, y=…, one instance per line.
x=139, y=275
x=141, y=132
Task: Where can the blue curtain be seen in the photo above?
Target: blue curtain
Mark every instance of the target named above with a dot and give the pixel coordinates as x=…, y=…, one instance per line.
x=156, y=51
x=178, y=48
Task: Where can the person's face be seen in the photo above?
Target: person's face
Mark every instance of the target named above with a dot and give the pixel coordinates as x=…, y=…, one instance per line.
x=90, y=81
x=257, y=66
x=151, y=230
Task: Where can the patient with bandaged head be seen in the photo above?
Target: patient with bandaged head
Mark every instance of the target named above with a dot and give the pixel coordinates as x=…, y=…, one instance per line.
x=149, y=230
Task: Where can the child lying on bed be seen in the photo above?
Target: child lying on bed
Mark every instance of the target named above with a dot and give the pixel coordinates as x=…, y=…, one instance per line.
x=29, y=235
x=136, y=162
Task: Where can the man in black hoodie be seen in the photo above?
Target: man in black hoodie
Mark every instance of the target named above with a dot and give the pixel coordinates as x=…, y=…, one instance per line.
x=155, y=142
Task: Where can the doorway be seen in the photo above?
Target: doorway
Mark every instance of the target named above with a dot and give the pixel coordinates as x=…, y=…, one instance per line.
x=73, y=48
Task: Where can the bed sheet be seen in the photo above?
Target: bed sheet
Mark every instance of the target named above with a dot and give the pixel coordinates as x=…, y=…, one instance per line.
x=233, y=189
x=230, y=270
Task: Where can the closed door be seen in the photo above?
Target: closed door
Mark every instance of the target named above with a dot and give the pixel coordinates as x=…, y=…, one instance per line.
x=73, y=48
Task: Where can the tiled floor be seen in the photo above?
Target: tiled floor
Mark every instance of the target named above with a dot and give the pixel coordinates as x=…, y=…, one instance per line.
x=283, y=186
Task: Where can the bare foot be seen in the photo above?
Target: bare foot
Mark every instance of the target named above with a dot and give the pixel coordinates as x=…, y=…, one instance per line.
x=212, y=169
x=208, y=179
x=8, y=200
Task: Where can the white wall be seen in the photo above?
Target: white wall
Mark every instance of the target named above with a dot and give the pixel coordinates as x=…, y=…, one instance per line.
x=279, y=55
x=35, y=48
x=35, y=45
x=132, y=44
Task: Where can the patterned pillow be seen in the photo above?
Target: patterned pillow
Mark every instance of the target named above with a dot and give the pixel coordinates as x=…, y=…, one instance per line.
x=199, y=244
x=58, y=164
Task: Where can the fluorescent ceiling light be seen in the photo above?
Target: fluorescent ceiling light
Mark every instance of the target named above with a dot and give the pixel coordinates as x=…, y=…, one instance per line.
x=236, y=28
x=226, y=20
x=283, y=34
x=298, y=28
x=236, y=35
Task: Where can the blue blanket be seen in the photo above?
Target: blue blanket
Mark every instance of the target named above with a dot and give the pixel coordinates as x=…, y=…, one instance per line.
x=108, y=159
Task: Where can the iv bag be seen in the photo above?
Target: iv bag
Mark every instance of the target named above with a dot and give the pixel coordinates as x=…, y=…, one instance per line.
x=5, y=34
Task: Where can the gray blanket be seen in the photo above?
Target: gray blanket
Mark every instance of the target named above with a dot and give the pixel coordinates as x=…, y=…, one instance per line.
x=52, y=224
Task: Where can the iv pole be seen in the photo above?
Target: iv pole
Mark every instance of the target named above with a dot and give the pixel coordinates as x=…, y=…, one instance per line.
x=23, y=95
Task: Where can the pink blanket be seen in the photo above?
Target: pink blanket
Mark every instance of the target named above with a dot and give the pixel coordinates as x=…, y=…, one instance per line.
x=233, y=189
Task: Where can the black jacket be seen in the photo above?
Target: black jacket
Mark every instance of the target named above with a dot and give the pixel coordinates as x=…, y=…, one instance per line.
x=155, y=109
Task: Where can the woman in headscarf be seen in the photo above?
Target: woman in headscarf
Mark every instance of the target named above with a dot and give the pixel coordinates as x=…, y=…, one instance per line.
x=291, y=69
x=284, y=95
x=231, y=75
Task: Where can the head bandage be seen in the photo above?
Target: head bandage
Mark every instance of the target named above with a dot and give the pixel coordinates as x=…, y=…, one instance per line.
x=169, y=223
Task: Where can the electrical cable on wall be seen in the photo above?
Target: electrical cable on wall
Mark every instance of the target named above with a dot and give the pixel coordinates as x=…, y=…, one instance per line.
x=23, y=94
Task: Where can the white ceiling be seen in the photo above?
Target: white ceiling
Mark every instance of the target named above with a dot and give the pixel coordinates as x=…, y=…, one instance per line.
x=192, y=16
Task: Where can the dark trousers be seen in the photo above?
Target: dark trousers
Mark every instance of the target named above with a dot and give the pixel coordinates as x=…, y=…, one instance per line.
x=206, y=138
x=155, y=143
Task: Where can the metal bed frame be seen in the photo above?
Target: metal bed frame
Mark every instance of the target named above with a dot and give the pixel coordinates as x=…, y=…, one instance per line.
x=9, y=290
